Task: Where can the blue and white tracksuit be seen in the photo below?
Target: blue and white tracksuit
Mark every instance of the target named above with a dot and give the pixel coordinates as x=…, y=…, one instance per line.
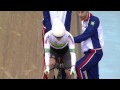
x=64, y=16
x=91, y=41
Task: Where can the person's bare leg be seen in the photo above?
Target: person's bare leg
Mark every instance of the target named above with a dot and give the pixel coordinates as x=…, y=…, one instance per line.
x=56, y=72
x=68, y=76
x=51, y=73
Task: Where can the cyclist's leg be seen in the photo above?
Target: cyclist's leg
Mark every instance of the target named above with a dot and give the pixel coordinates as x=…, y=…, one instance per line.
x=51, y=73
x=56, y=71
x=67, y=62
x=53, y=58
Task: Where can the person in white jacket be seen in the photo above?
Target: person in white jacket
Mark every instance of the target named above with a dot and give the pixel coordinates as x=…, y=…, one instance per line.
x=48, y=17
x=58, y=41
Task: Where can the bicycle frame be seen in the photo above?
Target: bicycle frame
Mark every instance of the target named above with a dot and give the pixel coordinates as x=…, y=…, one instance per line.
x=60, y=66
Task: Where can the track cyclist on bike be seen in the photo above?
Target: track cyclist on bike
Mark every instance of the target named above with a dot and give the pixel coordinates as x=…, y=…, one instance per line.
x=58, y=41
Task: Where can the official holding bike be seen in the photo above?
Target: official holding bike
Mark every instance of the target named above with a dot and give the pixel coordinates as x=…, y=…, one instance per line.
x=92, y=42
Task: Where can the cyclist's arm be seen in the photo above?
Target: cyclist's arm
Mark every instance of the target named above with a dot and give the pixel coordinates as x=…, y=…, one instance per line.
x=71, y=45
x=47, y=49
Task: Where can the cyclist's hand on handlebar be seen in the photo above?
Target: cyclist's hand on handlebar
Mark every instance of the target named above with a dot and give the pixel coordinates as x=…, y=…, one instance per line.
x=72, y=71
x=46, y=71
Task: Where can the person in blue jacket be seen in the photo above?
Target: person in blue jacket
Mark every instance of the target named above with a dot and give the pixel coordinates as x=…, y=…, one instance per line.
x=92, y=42
x=64, y=16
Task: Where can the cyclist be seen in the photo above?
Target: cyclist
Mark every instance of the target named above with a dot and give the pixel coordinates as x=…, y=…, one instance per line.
x=48, y=17
x=59, y=41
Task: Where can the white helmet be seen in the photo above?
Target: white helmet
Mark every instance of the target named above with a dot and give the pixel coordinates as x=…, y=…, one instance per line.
x=58, y=28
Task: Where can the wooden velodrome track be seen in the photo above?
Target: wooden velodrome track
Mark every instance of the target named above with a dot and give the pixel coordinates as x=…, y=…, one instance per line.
x=21, y=45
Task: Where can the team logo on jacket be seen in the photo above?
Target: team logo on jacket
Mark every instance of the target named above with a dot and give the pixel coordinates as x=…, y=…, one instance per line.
x=92, y=23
